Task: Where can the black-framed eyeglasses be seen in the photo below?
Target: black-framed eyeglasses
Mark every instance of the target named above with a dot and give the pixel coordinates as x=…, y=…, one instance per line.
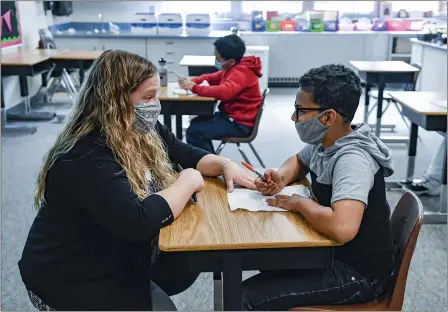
x=301, y=110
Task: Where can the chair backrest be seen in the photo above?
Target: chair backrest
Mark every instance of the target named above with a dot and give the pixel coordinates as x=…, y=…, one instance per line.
x=405, y=223
x=412, y=86
x=46, y=39
x=254, y=133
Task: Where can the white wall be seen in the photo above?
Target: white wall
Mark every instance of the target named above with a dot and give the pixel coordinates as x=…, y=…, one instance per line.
x=113, y=11
x=32, y=18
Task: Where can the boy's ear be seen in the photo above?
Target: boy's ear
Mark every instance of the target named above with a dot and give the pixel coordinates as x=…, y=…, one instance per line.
x=330, y=117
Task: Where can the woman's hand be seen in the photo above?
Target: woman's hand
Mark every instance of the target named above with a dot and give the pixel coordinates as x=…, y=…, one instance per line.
x=193, y=178
x=290, y=203
x=235, y=174
x=274, y=183
x=187, y=84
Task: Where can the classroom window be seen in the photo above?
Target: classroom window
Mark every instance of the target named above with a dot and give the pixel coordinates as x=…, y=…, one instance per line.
x=362, y=7
x=280, y=6
x=210, y=7
x=415, y=6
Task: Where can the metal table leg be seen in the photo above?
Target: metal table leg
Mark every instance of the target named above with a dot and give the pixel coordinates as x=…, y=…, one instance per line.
x=440, y=216
x=366, y=103
x=81, y=72
x=179, y=129
x=27, y=114
x=5, y=128
x=14, y=128
x=379, y=106
x=232, y=282
x=217, y=291
x=379, y=115
x=412, y=152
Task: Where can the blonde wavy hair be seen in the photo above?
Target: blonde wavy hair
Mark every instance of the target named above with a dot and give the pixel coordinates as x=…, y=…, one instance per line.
x=104, y=104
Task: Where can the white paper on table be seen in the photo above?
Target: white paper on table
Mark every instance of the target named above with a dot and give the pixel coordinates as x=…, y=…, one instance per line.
x=255, y=201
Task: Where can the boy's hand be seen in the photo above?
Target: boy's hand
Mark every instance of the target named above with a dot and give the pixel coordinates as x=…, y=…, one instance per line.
x=187, y=84
x=274, y=184
x=290, y=203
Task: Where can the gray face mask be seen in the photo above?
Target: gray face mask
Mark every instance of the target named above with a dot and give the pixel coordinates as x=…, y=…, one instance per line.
x=146, y=115
x=312, y=131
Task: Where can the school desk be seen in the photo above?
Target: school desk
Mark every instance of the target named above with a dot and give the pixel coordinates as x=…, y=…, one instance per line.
x=380, y=73
x=76, y=59
x=199, y=64
x=26, y=63
x=421, y=110
x=214, y=239
x=174, y=104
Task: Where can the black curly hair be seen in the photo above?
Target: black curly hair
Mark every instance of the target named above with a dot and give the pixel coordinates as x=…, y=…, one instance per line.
x=230, y=47
x=333, y=86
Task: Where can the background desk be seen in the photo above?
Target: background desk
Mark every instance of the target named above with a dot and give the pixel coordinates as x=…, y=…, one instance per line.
x=380, y=73
x=27, y=63
x=417, y=107
x=179, y=105
x=80, y=59
x=218, y=240
x=199, y=64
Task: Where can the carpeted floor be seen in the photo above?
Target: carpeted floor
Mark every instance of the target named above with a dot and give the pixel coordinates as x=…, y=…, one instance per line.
x=22, y=156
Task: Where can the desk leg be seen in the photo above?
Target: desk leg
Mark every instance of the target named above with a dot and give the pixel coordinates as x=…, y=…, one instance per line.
x=412, y=151
x=232, y=282
x=217, y=291
x=366, y=103
x=179, y=129
x=28, y=115
x=167, y=121
x=443, y=198
x=5, y=128
x=81, y=72
x=379, y=106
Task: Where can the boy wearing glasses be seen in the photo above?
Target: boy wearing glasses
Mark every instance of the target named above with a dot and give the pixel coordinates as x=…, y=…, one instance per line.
x=347, y=165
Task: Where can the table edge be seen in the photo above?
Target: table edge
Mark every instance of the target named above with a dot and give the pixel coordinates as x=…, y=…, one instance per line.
x=418, y=112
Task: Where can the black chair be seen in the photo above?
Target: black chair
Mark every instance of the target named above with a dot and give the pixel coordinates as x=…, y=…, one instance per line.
x=62, y=76
x=386, y=97
x=160, y=301
x=248, y=139
x=405, y=223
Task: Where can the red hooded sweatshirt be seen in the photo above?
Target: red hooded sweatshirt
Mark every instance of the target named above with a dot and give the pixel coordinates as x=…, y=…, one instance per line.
x=238, y=89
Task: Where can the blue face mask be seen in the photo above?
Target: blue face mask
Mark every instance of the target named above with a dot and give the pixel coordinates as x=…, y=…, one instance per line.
x=218, y=64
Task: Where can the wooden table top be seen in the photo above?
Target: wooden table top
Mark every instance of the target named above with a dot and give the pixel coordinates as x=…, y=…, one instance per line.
x=425, y=103
x=383, y=67
x=27, y=57
x=210, y=225
x=87, y=55
x=198, y=60
x=167, y=94
x=33, y=57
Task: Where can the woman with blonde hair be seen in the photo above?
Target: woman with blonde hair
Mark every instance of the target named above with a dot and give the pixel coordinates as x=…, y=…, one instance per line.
x=105, y=190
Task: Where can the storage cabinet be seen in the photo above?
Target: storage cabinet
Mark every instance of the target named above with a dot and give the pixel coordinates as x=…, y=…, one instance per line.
x=137, y=46
x=78, y=43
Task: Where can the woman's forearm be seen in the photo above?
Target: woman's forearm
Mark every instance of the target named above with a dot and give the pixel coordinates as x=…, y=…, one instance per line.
x=177, y=196
x=211, y=165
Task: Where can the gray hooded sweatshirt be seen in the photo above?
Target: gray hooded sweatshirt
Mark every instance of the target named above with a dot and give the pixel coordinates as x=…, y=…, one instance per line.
x=349, y=165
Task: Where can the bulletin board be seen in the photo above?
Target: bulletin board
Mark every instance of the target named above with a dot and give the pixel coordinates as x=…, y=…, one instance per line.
x=11, y=33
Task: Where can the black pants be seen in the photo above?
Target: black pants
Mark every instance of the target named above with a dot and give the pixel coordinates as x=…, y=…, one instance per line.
x=171, y=273
x=283, y=290
x=203, y=130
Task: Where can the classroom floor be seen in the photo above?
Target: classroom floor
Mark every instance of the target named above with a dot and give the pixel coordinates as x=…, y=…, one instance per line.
x=277, y=139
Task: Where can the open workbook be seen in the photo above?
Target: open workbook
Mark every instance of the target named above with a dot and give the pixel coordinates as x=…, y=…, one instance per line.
x=255, y=201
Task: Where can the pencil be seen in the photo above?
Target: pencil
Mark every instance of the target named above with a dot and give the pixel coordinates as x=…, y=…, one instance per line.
x=245, y=164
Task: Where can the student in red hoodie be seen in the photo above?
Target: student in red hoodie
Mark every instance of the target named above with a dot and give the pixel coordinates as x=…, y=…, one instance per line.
x=236, y=85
